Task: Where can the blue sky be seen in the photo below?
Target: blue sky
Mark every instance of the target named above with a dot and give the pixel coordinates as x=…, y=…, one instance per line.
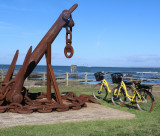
x=109, y=33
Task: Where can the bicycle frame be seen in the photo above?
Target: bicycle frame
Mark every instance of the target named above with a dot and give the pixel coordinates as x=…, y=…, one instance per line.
x=122, y=85
x=133, y=95
x=105, y=84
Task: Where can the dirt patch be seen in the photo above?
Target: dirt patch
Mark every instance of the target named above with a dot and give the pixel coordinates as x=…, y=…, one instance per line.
x=91, y=112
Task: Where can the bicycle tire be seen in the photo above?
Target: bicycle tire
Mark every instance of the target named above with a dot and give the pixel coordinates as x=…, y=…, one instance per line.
x=147, y=104
x=120, y=99
x=102, y=95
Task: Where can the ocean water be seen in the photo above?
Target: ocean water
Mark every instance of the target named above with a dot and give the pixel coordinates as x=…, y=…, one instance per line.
x=148, y=75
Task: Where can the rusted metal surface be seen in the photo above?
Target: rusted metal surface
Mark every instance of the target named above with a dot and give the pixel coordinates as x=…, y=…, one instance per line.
x=35, y=103
x=63, y=21
x=14, y=97
x=54, y=83
x=9, y=74
x=48, y=60
x=68, y=50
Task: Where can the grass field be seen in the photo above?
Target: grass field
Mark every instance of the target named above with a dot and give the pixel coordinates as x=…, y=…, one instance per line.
x=145, y=124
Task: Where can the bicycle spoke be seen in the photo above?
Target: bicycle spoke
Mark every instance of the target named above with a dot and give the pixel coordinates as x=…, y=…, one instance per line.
x=130, y=93
x=99, y=95
x=145, y=102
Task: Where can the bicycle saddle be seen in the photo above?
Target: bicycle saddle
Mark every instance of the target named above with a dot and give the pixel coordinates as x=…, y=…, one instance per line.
x=128, y=82
x=136, y=82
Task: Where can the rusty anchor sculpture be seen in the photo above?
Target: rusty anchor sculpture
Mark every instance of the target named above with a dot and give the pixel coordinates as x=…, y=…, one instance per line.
x=16, y=98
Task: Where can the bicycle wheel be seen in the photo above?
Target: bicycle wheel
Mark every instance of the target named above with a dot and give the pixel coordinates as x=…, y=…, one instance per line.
x=97, y=95
x=146, y=103
x=118, y=97
x=130, y=93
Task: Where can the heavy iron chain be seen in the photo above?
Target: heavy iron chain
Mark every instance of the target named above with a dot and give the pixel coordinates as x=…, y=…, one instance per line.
x=39, y=103
x=68, y=50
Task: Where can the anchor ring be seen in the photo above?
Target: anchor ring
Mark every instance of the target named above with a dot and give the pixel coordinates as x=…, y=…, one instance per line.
x=68, y=51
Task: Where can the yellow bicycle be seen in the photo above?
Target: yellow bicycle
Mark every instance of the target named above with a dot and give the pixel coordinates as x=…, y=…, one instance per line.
x=140, y=94
x=101, y=90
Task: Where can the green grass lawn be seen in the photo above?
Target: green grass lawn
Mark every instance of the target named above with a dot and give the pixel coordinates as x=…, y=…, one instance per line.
x=145, y=124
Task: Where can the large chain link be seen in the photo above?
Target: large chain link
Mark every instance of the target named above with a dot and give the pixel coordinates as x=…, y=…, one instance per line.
x=68, y=50
x=41, y=104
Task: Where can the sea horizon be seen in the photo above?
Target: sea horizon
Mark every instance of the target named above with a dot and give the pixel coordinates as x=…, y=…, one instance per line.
x=93, y=66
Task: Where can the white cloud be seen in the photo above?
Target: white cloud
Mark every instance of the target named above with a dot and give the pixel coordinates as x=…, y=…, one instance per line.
x=144, y=58
x=5, y=25
x=125, y=61
x=147, y=60
x=4, y=6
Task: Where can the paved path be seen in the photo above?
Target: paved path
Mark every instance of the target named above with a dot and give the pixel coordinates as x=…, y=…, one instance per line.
x=91, y=112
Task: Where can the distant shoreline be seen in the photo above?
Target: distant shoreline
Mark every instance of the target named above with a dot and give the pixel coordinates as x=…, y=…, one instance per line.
x=147, y=75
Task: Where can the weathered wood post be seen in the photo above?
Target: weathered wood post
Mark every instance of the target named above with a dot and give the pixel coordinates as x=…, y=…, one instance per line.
x=86, y=78
x=2, y=75
x=43, y=78
x=26, y=79
x=67, y=78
